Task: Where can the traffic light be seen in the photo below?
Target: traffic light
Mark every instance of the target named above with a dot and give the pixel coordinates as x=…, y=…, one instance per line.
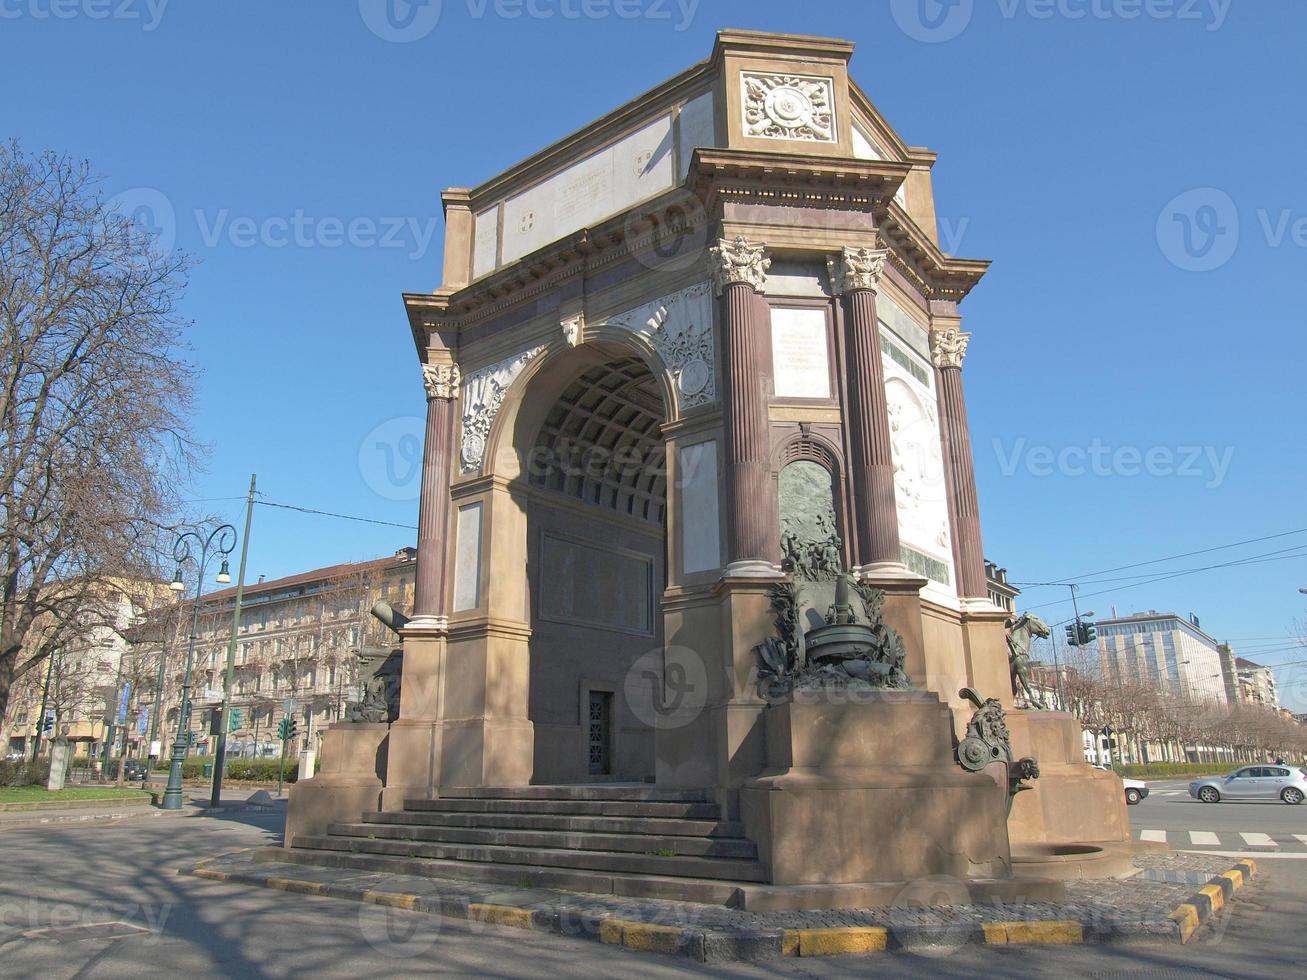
x=215, y=721
x=234, y=719
x=48, y=726
x=287, y=729
x=1087, y=634
x=1072, y=639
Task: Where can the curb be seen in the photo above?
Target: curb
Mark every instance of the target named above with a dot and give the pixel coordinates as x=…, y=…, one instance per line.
x=1211, y=898
x=720, y=945
x=43, y=805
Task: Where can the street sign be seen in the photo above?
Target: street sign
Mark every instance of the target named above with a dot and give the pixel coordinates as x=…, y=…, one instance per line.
x=212, y=694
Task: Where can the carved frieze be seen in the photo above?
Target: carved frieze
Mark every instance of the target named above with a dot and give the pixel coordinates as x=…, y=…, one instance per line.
x=738, y=261
x=857, y=268
x=679, y=328
x=483, y=396
x=948, y=347
x=788, y=107
x=441, y=380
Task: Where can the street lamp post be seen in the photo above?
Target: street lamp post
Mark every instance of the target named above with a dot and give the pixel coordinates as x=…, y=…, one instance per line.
x=229, y=677
x=222, y=539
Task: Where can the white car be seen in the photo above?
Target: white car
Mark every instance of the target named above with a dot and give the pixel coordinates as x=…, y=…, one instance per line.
x=1135, y=789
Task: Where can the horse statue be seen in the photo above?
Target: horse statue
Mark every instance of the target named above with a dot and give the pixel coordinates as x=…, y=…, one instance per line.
x=1020, y=632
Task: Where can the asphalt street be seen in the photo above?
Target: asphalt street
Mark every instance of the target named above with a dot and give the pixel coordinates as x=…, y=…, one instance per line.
x=105, y=901
x=1261, y=829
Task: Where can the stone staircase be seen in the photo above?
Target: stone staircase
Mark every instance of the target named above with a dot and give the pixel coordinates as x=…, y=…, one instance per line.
x=632, y=841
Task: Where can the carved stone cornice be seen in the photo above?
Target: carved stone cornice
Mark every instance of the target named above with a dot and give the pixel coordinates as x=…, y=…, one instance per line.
x=857, y=269
x=738, y=261
x=948, y=347
x=441, y=380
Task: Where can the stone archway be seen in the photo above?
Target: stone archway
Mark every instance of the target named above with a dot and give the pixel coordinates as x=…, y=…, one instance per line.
x=596, y=497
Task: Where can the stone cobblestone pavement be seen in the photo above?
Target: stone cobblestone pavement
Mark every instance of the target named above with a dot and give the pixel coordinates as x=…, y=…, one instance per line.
x=1138, y=908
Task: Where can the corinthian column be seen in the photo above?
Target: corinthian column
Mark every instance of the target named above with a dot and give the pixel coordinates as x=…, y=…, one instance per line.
x=429, y=602
x=855, y=275
x=948, y=347
x=739, y=271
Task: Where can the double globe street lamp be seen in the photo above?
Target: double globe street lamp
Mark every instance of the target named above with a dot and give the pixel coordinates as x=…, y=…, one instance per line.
x=221, y=541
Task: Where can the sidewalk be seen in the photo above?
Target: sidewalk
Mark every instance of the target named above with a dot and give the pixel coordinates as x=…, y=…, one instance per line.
x=85, y=812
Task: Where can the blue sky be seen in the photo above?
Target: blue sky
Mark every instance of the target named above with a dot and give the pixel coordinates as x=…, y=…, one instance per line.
x=1133, y=168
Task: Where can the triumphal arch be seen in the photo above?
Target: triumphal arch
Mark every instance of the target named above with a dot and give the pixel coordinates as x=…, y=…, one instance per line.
x=699, y=525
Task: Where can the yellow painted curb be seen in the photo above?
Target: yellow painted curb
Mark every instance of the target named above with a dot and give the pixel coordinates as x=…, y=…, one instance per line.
x=500, y=915
x=1057, y=933
x=790, y=943
x=1186, y=917
x=835, y=942
x=1234, y=876
x=1216, y=893
x=210, y=874
x=1252, y=865
x=295, y=885
x=649, y=938
x=610, y=931
x=395, y=900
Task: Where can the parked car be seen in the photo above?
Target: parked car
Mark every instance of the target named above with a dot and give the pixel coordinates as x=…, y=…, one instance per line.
x=1285, y=783
x=134, y=769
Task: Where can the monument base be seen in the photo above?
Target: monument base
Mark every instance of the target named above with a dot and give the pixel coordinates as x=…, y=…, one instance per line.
x=1073, y=822
x=348, y=784
x=869, y=791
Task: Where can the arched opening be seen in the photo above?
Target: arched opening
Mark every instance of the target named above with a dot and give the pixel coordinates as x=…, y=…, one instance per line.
x=594, y=480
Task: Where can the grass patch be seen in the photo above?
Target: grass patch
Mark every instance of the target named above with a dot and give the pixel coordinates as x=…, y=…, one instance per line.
x=39, y=794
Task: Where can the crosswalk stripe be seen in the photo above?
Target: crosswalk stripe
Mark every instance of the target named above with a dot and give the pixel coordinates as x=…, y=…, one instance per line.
x=1301, y=838
x=1204, y=838
x=1259, y=840
x=1153, y=836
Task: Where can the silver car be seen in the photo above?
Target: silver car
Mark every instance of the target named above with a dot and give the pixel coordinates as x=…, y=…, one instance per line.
x=1271, y=782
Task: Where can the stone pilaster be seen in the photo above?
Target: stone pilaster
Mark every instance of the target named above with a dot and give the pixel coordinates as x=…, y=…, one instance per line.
x=430, y=608
x=855, y=275
x=948, y=346
x=739, y=271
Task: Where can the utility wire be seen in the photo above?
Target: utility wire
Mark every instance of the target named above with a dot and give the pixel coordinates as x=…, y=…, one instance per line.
x=1158, y=561
x=343, y=517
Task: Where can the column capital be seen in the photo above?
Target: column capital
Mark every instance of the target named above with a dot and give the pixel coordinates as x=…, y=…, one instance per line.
x=441, y=380
x=948, y=347
x=856, y=269
x=738, y=262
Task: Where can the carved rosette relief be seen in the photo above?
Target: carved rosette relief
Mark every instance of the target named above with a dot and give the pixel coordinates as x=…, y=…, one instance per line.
x=789, y=107
x=738, y=261
x=441, y=380
x=948, y=347
x=679, y=328
x=483, y=396
x=857, y=269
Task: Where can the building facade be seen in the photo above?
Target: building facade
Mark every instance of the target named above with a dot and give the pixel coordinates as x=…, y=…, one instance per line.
x=1163, y=649
x=1001, y=593
x=1257, y=684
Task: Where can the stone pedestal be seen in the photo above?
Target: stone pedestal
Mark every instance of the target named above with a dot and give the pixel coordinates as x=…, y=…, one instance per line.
x=1073, y=822
x=870, y=792
x=349, y=782
x=60, y=751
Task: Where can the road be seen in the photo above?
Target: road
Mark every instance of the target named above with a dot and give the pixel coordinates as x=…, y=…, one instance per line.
x=105, y=901
x=1262, y=829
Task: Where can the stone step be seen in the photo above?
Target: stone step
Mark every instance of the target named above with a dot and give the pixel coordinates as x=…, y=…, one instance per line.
x=719, y=847
x=584, y=808
x=727, y=869
x=633, y=793
x=707, y=892
x=678, y=827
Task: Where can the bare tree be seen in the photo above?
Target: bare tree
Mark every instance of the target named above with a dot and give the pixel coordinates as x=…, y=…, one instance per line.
x=94, y=401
